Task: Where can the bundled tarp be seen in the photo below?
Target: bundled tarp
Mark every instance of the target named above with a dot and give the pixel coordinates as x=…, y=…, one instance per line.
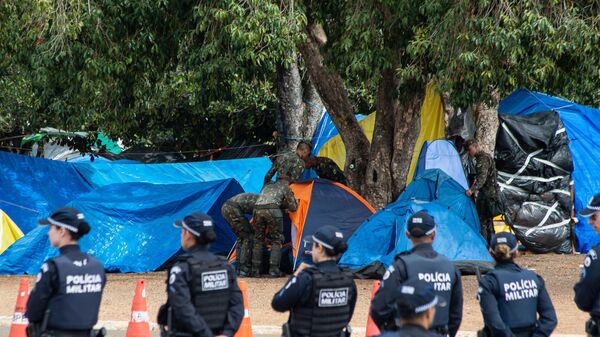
x=582, y=125
x=132, y=225
x=534, y=167
x=443, y=155
x=374, y=244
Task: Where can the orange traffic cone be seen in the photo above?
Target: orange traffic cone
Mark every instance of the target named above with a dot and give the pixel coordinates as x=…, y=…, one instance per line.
x=372, y=329
x=19, y=321
x=245, y=329
x=139, y=325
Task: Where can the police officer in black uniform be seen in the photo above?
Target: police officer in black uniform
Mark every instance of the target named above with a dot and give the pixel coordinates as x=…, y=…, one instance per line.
x=202, y=290
x=514, y=301
x=587, y=290
x=69, y=287
x=416, y=303
x=320, y=298
x=425, y=264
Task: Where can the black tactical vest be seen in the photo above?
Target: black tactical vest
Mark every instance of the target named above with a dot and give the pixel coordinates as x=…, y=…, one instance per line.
x=517, y=297
x=76, y=303
x=437, y=271
x=327, y=312
x=211, y=290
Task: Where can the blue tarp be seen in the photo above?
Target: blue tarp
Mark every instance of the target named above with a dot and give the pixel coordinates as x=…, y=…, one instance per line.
x=583, y=128
x=442, y=154
x=325, y=131
x=382, y=236
x=132, y=225
x=31, y=188
x=248, y=172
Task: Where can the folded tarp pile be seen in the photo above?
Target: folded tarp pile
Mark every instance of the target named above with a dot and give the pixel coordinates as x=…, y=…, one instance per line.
x=534, y=169
x=130, y=207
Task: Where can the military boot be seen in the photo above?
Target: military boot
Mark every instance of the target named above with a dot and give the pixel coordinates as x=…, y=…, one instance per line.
x=256, y=260
x=275, y=261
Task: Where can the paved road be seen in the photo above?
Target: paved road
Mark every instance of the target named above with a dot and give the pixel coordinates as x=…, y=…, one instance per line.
x=114, y=333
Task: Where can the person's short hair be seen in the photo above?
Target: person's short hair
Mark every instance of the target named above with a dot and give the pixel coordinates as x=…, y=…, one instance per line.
x=470, y=142
x=304, y=146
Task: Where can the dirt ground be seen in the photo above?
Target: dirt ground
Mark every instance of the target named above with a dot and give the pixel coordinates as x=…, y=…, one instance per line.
x=560, y=272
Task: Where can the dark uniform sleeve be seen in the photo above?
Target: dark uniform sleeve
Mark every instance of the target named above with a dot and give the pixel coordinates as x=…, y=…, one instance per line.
x=271, y=172
x=235, y=315
x=587, y=289
x=382, y=305
x=547, y=316
x=456, y=306
x=482, y=169
x=294, y=291
x=487, y=291
x=180, y=300
x=290, y=202
x=46, y=285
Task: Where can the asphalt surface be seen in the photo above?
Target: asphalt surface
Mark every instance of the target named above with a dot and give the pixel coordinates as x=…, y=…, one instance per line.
x=114, y=333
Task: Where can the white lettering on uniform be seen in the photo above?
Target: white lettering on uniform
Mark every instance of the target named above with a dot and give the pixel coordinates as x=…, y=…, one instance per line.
x=520, y=290
x=215, y=280
x=440, y=281
x=83, y=284
x=335, y=297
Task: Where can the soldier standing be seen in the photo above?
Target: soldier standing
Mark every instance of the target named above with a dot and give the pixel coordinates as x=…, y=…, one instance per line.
x=69, y=287
x=290, y=164
x=484, y=189
x=234, y=211
x=326, y=168
x=421, y=263
x=274, y=199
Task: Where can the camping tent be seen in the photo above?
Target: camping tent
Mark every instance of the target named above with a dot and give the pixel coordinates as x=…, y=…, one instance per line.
x=322, y=202
x=9, y=232
x=443, y=155
x=582, y=125
x=132, y=225
x=374, y=244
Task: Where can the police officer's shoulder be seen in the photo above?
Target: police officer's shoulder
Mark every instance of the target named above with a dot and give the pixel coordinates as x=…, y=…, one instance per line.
x=401, y=254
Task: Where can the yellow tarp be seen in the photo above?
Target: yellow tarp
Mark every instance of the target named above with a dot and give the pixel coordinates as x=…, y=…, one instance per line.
x=335, y=149
x=432, y=124
x=9, y=232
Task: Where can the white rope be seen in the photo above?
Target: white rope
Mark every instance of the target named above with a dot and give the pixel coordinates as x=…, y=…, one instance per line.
x=549, y=163
x=545, y=180
x=512, y=136
x=529, y=156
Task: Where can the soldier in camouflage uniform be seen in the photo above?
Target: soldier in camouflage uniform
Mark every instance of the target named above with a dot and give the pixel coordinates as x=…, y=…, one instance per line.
x=233, y=211
x=290, y=164
x=326, y=168
x=274, y=199
x=484, y=189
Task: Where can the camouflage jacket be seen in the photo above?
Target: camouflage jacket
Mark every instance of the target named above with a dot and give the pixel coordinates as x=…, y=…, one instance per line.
x=326, y=168
x=286, y=164
x=243, y=202
x=277, y=195
x=485, y=179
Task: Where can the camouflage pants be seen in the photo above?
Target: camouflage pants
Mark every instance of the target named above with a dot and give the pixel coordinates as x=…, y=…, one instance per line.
x=487, y=207
x=268, y=228
x=245, y=236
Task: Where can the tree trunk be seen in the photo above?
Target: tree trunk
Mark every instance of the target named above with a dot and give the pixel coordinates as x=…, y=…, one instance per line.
x=377, y=187
x=291, y=109
x=406, y=131
x=331, y=88
x=487, y=127
x=313, y=108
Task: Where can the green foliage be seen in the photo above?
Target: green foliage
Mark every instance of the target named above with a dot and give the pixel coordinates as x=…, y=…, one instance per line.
x=193, y=74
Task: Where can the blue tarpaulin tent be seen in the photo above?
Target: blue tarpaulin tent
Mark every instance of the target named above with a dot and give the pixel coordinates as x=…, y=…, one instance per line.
x=442, y=154
x=583, y=128
x=249, y=172
x=33, y=187
x=132, y=225
x=382, y=236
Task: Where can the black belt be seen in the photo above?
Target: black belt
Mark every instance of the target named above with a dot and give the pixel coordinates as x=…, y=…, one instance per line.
x=67, y=333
